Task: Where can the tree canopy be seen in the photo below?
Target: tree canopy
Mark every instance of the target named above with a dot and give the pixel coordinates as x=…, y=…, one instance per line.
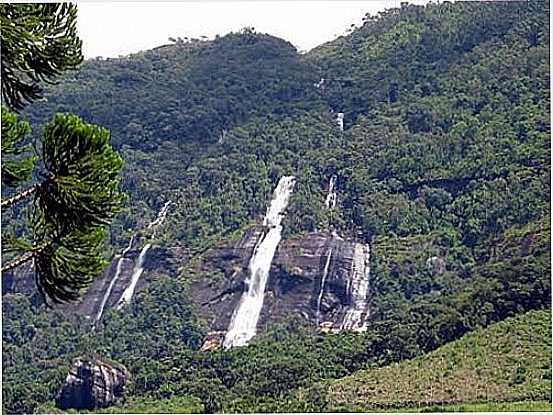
x=445, y=154
x=75, y=191
x=38, y=43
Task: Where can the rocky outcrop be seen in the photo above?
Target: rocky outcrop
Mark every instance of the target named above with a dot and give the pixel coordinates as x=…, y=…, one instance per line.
x=213, y=341
x=295, y=286
x=106, y=290
x=124, y=276
x=311, y=277
x=92, y=383
x=19, y=280
x=92, y=301
x=226, y=267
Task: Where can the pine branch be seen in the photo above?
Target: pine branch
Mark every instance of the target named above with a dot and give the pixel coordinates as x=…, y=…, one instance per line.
x=18, y=261
x=26, y=257
x=21, y=196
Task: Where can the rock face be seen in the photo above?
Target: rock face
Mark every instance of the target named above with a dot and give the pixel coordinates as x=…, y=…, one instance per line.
x=92, y=383
x=311, y=279
x=19, y=280
x=226, y=267
x=295, y=286
x=315, y=277
x=105, y=291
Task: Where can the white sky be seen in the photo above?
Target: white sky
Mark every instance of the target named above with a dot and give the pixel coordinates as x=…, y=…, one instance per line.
x=110, y=29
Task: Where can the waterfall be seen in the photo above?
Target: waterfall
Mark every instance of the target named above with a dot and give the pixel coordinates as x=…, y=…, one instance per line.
x=243, y=323
x=136, y=273
x=358, y=289
x=323, y=281
x=330, y=201
x=340, y=120
x=139, y=266
x=114, y=279
x=160, y=216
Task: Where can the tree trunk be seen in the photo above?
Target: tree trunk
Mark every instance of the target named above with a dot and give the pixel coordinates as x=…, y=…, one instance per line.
x=21, y=196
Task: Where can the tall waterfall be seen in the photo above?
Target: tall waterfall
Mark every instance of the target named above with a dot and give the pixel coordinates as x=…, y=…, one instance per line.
x=358, y=289
x=136, y=273
x=139, y=265
x=244, y=319
x=330, y=201
x=323, y=282
x=114, y=279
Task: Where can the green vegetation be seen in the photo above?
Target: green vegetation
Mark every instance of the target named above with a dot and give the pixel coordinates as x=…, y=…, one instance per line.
x=39, y=42
x=523, y=406
x=75, y=193
x=510, y=360
x=446, y=154
x=176, y=405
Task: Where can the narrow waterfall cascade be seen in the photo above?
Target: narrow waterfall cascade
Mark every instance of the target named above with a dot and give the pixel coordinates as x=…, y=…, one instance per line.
x=114, y=279
x=139, y=265
x=358, y=290
x=136, y=273
x=244, y=320
x=160, y=216
x=222, y=136
x=330, y=201
x=323, y=282
x=340, y=120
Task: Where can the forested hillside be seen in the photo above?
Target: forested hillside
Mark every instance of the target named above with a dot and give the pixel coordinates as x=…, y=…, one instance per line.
x=443, y=168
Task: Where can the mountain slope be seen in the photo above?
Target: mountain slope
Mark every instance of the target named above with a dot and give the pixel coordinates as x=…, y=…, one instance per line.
x=446, y=175
x=507, y=361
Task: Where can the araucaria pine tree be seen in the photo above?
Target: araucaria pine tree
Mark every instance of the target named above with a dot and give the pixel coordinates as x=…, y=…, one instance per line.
x=74, y=195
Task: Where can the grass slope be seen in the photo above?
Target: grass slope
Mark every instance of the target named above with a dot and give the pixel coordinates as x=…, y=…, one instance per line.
x=508, y=361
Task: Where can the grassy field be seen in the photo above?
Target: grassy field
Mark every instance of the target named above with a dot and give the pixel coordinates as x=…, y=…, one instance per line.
x=175, y=405
x=519, y=406
x=506, y=366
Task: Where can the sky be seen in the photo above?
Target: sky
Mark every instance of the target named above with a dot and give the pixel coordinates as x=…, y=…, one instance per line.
x=111, y=29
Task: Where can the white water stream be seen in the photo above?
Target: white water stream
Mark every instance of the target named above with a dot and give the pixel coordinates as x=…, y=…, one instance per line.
x=114, y=279
x=358, y=290
x=244, y=319
x=340, y=120
x=127, y=295
x=323, y=281
x=330, y=201
x=136, y=273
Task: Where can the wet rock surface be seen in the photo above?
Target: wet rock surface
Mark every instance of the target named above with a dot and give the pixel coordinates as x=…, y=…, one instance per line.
x=294, y=284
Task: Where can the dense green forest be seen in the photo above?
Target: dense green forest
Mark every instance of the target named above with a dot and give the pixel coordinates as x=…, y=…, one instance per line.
x=445, y=152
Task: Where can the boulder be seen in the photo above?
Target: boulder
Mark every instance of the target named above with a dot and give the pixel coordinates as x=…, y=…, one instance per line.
x=92, y=383
x=213, y=341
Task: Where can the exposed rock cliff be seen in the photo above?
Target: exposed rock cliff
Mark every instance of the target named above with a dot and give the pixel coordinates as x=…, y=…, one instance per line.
x=92, y=383
x=19, y=280
x=295, y=286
